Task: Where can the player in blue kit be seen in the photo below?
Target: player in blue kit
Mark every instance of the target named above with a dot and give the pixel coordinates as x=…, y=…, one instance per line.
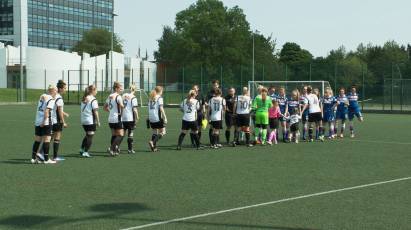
x=293, y=104
x=342, y=111
x=353, y=109
x=282, y=103
x=328, y=104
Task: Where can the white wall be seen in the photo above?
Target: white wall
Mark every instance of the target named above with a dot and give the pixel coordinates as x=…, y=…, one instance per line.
x=47, y=66
x=118, y=68
x=96, y=66
x=135, y=70
x=149, y=75
x=3, y=66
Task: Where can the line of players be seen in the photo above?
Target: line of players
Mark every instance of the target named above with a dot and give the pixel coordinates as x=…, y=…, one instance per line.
x=268, y=109
x=237, y=111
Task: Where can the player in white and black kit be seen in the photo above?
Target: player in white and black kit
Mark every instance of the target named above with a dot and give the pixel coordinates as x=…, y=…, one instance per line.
x=216, y=109
x=189, y=107
x=312, y=103
x=200, y=114
x=57, y=117
x=130, y=117
x=89, y=118
x=114, y=105
x=157, y=118
x=43, y=126
x=242, y=110
x=211, y=94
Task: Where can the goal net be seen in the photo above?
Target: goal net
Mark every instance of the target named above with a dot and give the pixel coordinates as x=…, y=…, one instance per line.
x=289, y=86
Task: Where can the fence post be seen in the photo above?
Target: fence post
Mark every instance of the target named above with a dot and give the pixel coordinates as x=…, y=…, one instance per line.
x=392, y=87
x=45, y=80
x=102, y=86
x=221, y=76
x=335, y=77
x=182, y=93
x=241, y=75
x=363, y=86
x=263, y=72
x=201, y=77
x=68, y=86
x=310, y=71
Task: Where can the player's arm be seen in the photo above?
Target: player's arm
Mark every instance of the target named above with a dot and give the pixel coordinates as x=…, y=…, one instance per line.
x=162, y=111
x=106, y=105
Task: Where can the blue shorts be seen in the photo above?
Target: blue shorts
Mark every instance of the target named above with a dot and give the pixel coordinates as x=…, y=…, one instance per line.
x=354, y=112
x=305, y=116
x=341, y=115
x=328, y=116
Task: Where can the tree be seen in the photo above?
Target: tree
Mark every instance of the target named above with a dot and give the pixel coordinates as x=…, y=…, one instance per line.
x=211, y=35
x=292, y=54
x=97, y=42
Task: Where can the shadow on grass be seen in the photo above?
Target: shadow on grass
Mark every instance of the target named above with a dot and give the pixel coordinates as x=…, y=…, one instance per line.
x=97, y=212
x=17, y=162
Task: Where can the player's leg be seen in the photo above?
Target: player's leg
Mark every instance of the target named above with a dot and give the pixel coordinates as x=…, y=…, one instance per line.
x=35, y=147
x=130, y=139
x=56, y=141
x=184, y=130
x=284, y=129
x=46, y=138
x=181, y=138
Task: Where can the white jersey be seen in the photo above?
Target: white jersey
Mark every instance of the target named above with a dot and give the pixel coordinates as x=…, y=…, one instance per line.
x=313, y=103
x=113, y=101
x=58, y=105
x=87, y=107
x=154, y=113
x=46, y=102
x=130, y=103
x=243, y=104
x=190, y=109
x=217, y=107
x=294, y=119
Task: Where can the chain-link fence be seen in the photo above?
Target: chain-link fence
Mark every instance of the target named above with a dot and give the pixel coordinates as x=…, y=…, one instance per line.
x=382, y=91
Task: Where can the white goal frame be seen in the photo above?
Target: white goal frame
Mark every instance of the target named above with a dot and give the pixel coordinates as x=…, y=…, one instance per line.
x=251, y=84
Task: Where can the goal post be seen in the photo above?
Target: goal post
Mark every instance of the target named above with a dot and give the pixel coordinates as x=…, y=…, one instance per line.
x=288, y=85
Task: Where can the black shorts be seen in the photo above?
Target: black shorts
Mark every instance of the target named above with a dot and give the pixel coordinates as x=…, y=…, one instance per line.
x=189, y=125
x=157, y=125
x=294, y=127
x=274, y=123
x=229, y=119
x=243, y=120
x=43, y=131
x=57, y=127
x=315, y=117
x=89, y=128
x=217, y=124
x=129, y=125
x=116, y=126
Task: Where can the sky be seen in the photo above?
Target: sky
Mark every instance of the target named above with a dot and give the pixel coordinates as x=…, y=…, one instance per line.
x=316, y=25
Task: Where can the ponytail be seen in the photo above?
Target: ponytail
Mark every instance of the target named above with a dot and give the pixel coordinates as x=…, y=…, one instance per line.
x=88, y=91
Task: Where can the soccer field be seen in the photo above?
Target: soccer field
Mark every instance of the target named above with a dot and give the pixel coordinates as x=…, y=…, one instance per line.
x=363, y=183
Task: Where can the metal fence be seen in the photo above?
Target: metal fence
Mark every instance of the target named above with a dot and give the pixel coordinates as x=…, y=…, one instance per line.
x=382, y=91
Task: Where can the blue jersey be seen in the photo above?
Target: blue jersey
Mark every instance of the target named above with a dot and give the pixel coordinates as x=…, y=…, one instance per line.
x=353, y=101
x=328, y=104
x=292, y=104
x=282, y=103
x=342, y=104
x=274, y=96
x=303, y=101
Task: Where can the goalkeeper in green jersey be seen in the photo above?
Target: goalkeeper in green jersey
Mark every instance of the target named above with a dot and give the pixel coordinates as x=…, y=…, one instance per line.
x=261, y=104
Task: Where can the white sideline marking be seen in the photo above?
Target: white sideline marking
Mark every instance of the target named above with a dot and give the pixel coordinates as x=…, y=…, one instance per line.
x=383, y=142
x=265, y=204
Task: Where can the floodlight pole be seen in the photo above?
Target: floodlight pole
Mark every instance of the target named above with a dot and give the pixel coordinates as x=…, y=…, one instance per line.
x=253, y=71
x=112, y=45
x=21, y=59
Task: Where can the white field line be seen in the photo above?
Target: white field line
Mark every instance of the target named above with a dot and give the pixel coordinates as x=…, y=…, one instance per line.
x=266, y=203
x=382, y=142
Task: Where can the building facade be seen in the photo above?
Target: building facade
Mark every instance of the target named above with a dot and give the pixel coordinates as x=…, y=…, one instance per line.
x=55, y=24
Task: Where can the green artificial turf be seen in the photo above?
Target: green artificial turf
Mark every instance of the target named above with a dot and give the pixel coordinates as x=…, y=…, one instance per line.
x=131, y=190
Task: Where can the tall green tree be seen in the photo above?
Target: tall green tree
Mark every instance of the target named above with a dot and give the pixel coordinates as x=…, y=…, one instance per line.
x=214, y=36
x=98, y=42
